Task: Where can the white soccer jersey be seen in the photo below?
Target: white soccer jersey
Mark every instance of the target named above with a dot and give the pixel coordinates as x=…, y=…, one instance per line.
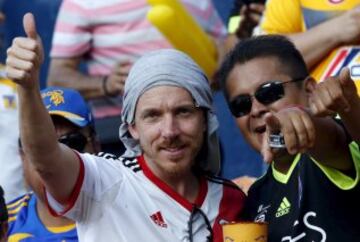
x=11, y=177
x=122, y=200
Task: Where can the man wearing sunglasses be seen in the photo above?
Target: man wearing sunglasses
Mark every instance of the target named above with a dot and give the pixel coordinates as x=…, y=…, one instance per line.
x=163, y=188
x=73, y=123
x=310, y=191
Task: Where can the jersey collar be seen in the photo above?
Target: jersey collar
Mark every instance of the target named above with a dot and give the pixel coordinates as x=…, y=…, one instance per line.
x=203, y=187
x=284, y=178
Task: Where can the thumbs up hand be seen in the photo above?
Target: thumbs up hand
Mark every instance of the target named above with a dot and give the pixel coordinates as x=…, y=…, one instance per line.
x=25, y=56
x=334, y=95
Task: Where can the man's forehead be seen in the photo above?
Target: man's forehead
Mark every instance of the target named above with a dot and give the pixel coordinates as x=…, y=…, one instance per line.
x=164, y=97
x=165, y=93
x=256, y=71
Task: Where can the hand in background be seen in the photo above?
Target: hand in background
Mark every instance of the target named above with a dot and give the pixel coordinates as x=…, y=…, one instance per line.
x=250, y=18
x=346, y=27
x=116, y=80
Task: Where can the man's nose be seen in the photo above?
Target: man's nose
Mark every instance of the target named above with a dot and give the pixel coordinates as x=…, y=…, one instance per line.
x=257, y=108
x=170, y=127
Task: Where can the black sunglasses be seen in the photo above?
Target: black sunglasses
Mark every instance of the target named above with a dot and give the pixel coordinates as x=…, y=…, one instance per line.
x=75, y=140
x=266, y=94
x=194, y=212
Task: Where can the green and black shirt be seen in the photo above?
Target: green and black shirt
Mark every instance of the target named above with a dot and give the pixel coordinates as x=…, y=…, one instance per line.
x=311, y=202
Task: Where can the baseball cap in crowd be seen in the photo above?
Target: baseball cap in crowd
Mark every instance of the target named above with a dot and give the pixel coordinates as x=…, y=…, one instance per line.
x=67, y=103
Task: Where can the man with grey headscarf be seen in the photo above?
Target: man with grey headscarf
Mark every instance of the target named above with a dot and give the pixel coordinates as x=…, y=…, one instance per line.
x=162, y=188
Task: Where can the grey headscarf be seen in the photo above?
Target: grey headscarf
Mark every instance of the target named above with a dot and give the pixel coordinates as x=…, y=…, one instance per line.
x=168, y=67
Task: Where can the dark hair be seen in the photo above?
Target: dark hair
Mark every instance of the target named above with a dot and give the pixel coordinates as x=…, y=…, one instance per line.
x=277, y=46
x=3, y=210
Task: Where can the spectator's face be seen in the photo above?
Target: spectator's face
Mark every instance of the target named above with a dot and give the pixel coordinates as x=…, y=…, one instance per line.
x=74, y=136
x=63, y=128
x=170, y=129
x=246, y=79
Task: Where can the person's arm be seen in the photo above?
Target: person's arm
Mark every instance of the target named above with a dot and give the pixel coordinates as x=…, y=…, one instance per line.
x=65, y=72
x=317, y=42
x=57, y=164
x=310, y=131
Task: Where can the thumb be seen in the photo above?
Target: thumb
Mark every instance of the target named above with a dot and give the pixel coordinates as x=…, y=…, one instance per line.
x=345, y=76
x=347, y=83
x=29, y=26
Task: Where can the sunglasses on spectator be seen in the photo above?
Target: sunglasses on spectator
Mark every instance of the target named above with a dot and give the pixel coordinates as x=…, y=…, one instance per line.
x=75, y=140
x=266, y=94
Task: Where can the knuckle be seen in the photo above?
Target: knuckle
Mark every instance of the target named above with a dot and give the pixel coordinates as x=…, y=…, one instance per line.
x=8, y=61
x=29, y=66
x=9, y=51
x=22, y=75
x=9, y=73
x=32, y=56
x=328, y=103
x=302, y=138
x=338, y=96
x=32, y=44
x=16, y=41
x=288, y=133
x=321, y=109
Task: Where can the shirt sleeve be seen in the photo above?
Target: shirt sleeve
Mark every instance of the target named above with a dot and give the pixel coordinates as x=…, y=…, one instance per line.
x=100, y=177
x=338, y=178
x=72, y=34
x=282, y=17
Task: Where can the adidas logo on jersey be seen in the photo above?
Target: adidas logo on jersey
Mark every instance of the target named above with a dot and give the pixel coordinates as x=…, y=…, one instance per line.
x=284, y=208
x=158, y=219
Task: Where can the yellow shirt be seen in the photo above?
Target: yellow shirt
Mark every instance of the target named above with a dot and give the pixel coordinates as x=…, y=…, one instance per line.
x=294, y=16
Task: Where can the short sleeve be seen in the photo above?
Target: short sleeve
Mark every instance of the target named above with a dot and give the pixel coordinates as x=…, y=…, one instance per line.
x=101, y=176
x=339, y=179
x=72, y=34
x=281, y=17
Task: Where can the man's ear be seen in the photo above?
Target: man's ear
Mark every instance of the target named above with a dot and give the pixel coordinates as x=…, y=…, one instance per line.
x=133, y=131
x=310, y=85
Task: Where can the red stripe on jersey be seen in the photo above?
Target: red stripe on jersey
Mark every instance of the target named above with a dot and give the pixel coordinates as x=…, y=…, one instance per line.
x=203, y=189
x=335, y=63
x=229, y=210
x=74, y=194
x=168, y=190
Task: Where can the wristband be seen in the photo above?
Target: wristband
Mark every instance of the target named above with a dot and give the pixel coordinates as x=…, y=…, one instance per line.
x=277, y=141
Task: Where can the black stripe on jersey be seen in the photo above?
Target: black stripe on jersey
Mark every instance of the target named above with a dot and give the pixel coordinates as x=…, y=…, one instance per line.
x=128, y=162
x=131, y=163
x=107, y=155
x=223, y=181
